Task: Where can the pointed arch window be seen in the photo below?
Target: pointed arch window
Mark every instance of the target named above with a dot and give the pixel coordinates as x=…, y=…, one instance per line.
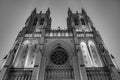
x=90, y=54
x=76, y=21
x=82, y=21
x=94, y=54
x=42, y=21
x=31, y=56
x=20, y=59
x=35, y=21
x=86, y=56
x=26, y=55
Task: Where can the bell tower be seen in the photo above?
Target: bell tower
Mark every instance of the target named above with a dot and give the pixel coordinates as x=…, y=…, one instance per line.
x=24, y=58
x=93, y=57
x=42, y=53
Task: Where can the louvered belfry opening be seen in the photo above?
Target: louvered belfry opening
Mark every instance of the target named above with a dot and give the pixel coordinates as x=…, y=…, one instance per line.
x=98, y=73
x=59, y=66
x=19, y=74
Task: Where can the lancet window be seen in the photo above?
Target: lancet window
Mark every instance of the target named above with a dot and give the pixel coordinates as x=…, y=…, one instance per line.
x=90, y=54
x=94, y=54
x=86, y=55
x=26, y=55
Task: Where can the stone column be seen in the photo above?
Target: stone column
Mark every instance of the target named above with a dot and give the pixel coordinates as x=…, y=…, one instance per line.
x=37, y=65
x=75, y=68
x=42, y=69
x=82, y=70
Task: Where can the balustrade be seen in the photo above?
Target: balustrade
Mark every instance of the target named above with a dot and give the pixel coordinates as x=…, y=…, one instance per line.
x=98, y=73
x=19, y=74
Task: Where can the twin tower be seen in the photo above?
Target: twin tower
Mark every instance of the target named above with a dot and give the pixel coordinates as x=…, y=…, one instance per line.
x=75, y=53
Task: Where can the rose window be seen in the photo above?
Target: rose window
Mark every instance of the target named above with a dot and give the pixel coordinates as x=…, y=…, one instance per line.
x=59, y=57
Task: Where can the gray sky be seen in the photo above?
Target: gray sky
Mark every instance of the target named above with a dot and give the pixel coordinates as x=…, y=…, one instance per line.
x=105, y=15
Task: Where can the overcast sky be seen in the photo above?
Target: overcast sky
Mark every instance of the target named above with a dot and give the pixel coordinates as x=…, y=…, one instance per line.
x=105, y=15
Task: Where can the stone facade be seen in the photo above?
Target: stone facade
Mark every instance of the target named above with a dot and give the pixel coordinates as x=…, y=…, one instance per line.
x=75, y=53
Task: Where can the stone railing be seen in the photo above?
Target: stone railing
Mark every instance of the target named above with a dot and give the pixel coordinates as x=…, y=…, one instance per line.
x=98, y=74
x=19, y=74
x=61, y=73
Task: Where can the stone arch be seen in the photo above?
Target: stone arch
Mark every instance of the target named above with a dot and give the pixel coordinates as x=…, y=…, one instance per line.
x=51, y=46
x=94, y=54
x=57, y=71
x=65, y=45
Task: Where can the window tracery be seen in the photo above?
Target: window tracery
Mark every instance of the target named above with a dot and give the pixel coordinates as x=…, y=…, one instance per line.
x=59, y=56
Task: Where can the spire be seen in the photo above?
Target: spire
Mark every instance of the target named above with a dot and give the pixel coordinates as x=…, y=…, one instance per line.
x=40, y=12
x=84, y=12
x=48, y=12
x=69, y=11
x=77, y=12
x=34, y=12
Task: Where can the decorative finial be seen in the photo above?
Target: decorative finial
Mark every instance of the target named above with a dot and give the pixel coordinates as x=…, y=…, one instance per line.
x=84, y=12
x=48, y=9
x=77, y=12
x=34, y=11
x=40, y=12
x=48, y=12
x=69, y=11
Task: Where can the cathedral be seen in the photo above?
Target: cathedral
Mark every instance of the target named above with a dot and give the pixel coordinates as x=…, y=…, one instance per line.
x=42, y=53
